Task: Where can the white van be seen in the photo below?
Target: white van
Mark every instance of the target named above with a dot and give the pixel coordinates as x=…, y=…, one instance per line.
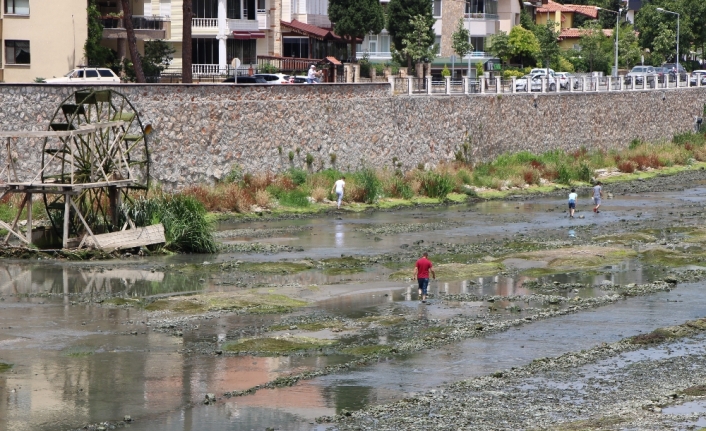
x=86, y=74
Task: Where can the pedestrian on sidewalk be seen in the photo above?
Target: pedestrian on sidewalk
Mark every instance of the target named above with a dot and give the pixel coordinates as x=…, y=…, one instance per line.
x=338, y=187
x=421, y=272
x=597, y=196
x=572, y=202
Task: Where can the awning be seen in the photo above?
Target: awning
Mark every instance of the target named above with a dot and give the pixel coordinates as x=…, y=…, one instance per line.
x=315, y=32
x=333, y=61
x=244, y=35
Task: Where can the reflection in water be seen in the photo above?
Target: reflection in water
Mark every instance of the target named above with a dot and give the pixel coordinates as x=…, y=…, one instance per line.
x=339, y=234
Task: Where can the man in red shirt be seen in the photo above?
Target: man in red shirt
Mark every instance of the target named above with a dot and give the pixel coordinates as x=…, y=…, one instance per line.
x=421, y=271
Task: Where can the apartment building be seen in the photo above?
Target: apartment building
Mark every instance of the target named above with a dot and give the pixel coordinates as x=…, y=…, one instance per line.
x=41, y=39
x=483, y=18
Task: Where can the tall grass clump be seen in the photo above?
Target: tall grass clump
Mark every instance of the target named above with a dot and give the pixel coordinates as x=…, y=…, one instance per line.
x=437, y=185
x=371, y=186
x=298, y=197
x=184, y=218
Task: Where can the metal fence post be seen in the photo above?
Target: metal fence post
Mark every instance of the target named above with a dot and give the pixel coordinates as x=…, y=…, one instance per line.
x=610, y=83
x=571, y=84
x=583, y=84
x=448, y=84
x=632, y=82
x=391, y=80
x=544, y=84
x=481, y=83
x=498, y=83
x=620, y=82
x=428, y=78
x=465, y=85
x=410, y=84
x=514, y=89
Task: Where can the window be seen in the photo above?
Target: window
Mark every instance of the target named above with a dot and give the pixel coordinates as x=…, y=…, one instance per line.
x=384, y=43
x=261, y=5
x=16, y=52
x=437, y=43
x=296, y=47
x=105, y=73
x=436, y=5
x=91, y=73
x=233, y=9
x=17, y=7
x=373, y=43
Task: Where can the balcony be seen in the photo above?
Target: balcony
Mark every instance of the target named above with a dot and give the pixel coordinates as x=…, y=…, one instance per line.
x=376, y=55
x=263, y=19
x=146, y=27
x=482, y=16
x=243, y=25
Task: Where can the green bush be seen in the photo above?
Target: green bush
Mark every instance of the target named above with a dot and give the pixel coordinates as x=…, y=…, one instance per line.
x=401, y=189
x=298, y=176
x=508, y=74
x=563, y=175
x=184, y=218
x=370, y=183
x=584, y=173
x=290, y=198
x=267, y=68
x=445, y=72
x=437, y=185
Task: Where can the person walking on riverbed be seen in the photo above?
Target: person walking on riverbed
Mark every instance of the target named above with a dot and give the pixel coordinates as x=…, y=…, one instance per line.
x=597, y=196
x=572, y=202
x=421, y=272
x=338, y=187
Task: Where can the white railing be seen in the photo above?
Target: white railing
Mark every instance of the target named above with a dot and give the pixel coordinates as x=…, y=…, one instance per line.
x=482, y=16
x=209, y=69
x=204, y=22
x=583, y=84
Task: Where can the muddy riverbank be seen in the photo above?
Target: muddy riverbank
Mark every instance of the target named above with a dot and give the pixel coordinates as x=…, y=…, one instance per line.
x=318, y=319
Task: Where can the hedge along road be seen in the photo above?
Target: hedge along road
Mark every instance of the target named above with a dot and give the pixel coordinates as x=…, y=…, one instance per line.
x=84, y=349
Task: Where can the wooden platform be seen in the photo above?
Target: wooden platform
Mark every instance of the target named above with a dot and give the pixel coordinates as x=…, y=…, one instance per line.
x=61, y=188
x=130, y=238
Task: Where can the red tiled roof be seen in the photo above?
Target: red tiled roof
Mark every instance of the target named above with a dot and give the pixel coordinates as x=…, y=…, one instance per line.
x=314, y=31
x=574, y=33
x=551, y=7
x=333, y=61
x=307, y=29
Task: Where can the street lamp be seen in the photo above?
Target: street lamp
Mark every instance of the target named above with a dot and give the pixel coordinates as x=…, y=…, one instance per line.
x=617, y=28
x=659, y=9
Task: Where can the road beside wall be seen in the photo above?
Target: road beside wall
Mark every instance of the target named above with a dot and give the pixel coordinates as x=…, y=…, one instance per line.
x=202, y=131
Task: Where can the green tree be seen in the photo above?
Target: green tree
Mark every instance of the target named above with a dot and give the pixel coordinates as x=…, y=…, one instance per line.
x=500, y=46
x=628, y=47
x=547, y=37
x=399, y=18
x=526, y=20
x=132, y=41
x=96, y=55
x=158, y=56
x=355, y=18
x=418, y=45
x=525, y=46
x=592, y=47
x=663, y=45
x=460, y=40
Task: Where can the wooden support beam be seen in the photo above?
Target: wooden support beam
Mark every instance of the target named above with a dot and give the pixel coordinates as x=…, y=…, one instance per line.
x=67, y=216
x=88, y=229
x=29, y=218
x=17, y=218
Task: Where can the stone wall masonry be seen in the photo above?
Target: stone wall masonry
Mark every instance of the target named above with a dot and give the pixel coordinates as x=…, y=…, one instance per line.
x=202, y=131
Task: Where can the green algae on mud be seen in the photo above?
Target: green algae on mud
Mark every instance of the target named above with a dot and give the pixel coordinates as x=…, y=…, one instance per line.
x=456, y=271
x=571, y=259
x=374, y=349
x=626, y=238
x=5, y=367
x=608, y=422
x=240, y=302
x=343, y=265
x=78, y=351
x=670, y=258
x=311, y=326
x=276, y=345
x=275, y=267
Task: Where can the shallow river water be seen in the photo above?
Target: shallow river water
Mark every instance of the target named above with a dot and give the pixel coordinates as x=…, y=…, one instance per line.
x=78, y=363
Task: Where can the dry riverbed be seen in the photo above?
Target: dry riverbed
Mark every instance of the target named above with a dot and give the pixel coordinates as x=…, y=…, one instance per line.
x=575, y=391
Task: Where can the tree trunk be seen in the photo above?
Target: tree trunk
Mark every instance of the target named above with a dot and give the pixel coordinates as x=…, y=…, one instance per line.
x=186, y=77
x=354, y=46
x=132, y=41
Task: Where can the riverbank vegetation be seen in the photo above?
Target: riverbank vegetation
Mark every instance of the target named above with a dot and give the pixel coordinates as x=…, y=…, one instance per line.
x=300, y=190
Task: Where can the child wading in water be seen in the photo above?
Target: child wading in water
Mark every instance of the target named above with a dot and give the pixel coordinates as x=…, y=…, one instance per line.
x=572, y=202
x=597, y=196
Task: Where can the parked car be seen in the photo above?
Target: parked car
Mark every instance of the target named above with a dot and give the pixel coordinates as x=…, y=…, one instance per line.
x=273, y=78
x=564, y=78
x=541, y=71
x=246, y=80
x=672, y=67
x=641, y=74
x=696, y=76
x=662, y=73
x=83, y=74
x=536, y=82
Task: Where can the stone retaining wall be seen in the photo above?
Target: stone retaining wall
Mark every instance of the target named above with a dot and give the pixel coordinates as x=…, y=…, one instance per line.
x=202, y=131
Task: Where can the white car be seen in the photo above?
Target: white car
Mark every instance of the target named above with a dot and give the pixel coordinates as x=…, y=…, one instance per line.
x=536, y=82
x=82, y=75
x=563, y=78
x=542, y=71
x=698, y=74
x=273, y=78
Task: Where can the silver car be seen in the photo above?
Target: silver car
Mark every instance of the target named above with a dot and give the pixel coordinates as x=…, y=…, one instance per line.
x=535, y=82
x=698, y=75
x=640, y=74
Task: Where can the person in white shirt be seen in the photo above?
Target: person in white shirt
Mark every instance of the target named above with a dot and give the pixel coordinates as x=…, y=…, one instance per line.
x=338, y=189
x=572, y=202
x=312, y=75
